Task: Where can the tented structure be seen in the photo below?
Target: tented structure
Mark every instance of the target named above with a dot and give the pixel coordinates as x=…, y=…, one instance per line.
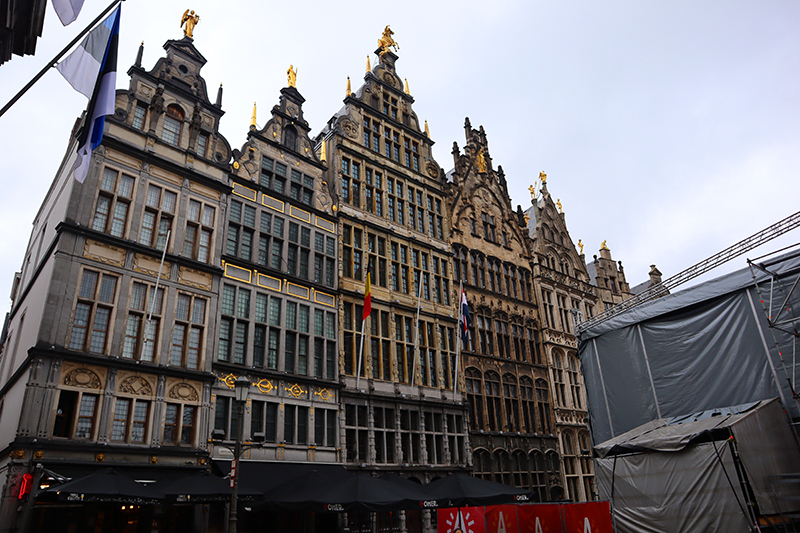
x=711, y=471
x=725, y=342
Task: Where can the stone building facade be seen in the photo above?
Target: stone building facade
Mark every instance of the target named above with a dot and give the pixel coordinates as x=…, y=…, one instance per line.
x=398, y=404
x=113, y=318
x=505, y=374
x=565, y=293
x=278, y=315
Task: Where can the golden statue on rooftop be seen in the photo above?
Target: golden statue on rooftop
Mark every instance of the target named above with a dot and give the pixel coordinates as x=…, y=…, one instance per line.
x=481, y=160
x=543, y=176
x=558, y=203
x=190, y=20
x=532, y=189
x=386, y=42
x=604, y=246
x=580, y=245
x=292, y=75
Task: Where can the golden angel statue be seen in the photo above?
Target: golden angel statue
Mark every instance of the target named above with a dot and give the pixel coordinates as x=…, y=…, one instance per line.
x=543, y=176
x=190, y=20
x=292, y=75
x=386, y=41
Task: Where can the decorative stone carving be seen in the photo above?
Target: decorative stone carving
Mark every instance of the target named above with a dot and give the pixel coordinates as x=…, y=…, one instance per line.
x=184, y=391
x=82, y=377
x=350, y=128
x=136, y=385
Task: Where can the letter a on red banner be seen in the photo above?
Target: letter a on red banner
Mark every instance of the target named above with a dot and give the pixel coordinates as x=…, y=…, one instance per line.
x=592, y=517
x=501, y=519
x=539, y=518
x=461, y=520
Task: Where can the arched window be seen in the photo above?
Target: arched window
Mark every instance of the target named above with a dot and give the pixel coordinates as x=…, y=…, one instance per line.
x=528, y=404
x=493, y=407
x=574, y=381
x=290, y=138
x=543, y=407
x=172, y=125
x=521, y=469
x=558, y=380
x=501, y=460
x=474, y=397
x=482, y=464
x=512, y=404
x=538, y=476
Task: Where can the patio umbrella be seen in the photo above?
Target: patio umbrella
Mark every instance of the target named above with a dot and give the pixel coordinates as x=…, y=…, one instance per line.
x=426, y=499
x=316, y=491
x=460, y=490
x=203, y=487
x=107, y=485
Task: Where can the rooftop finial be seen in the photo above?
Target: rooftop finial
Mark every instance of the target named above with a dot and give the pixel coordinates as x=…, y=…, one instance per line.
x=324, y=154
x=543, y=176
x=139, y=55
x=348, y=86
x=369, y=68
x=253, y=118
x=558, y=203
x=427, y=131
x=190, y=19
x=406, y=86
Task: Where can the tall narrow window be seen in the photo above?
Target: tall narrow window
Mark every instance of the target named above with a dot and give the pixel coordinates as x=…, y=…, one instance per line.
x=92, y=318
x=113, y=203
x=172, y=125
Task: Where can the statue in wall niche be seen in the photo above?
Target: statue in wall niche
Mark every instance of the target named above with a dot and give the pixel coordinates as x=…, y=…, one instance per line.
x=481, y=160
x=188, y=22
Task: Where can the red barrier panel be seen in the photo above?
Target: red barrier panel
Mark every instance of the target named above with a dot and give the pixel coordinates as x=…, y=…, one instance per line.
x=462, y=520
x=592, y=517
x=501, y=519
x=539, y=518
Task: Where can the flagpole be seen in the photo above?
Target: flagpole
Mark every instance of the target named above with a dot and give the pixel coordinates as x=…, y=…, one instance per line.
x=416, y=325
x=365, y=312
x=360, y=354
x=52, y=63
x=458, y=342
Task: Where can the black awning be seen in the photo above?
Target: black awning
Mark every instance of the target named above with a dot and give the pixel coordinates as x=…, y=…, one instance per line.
x=460, y=490
x=264, y=476
x=108, y=485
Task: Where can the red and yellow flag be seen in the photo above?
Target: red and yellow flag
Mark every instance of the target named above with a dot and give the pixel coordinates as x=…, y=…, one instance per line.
x=367, y=301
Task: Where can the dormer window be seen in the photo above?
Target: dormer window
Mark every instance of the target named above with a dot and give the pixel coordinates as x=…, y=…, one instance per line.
x=172, y=125
x=290, y=138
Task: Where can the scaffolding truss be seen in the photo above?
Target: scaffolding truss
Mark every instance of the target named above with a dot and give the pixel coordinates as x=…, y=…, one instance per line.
x=775, y=230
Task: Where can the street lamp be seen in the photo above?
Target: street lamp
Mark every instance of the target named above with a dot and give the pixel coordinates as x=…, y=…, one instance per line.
x=242, y=389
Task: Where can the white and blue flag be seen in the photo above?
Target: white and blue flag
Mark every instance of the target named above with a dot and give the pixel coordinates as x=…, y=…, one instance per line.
x=92, y=71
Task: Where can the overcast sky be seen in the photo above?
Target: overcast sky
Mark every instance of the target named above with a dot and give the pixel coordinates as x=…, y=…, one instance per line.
x=671, y=129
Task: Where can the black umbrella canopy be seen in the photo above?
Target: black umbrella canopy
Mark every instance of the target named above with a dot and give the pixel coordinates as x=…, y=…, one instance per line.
x=460, y=490
x=317, y=491
x=203, y=487
x=107, y=485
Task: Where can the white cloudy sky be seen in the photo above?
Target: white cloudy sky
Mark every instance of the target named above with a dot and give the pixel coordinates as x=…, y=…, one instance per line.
x=669, y=128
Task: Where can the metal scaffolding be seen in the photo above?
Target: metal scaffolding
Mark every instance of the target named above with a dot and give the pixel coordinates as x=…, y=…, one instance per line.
x=775, y=230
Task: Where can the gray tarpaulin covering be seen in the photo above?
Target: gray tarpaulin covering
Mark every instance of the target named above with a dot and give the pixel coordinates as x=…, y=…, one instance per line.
x=669, y=473
x=671, y=492
x=703, y=348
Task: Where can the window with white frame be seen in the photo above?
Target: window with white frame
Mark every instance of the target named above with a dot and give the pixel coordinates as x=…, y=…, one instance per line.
x=160, y=205
x=92, y=319
x=113, y=203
